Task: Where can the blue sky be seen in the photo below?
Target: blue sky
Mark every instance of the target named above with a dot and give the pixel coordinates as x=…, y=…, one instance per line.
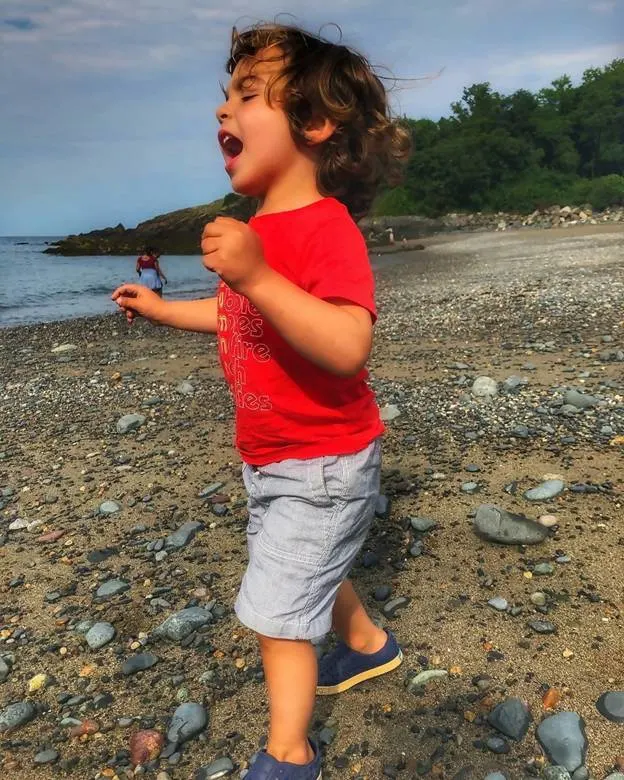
x=107, y=106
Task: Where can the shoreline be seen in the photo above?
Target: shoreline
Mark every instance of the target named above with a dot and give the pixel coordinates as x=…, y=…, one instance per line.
x=544, y=307
x=384, y=257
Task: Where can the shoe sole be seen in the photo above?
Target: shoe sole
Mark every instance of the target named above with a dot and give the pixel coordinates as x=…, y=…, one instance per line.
x=331, y=690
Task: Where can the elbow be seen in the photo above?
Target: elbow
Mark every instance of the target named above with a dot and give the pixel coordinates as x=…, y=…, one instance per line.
x=348, y=366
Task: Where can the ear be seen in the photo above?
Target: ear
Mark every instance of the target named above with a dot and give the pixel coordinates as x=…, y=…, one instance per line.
x=319, y=130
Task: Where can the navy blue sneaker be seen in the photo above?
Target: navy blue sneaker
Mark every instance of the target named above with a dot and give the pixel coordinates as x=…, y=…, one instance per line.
x=343, y=667
x=265, y=767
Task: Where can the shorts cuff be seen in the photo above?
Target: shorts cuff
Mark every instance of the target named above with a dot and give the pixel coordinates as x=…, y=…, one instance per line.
x=279, y=629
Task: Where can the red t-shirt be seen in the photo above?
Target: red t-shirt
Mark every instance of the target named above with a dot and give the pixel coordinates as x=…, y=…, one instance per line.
x=147, y=261
x=286, y=406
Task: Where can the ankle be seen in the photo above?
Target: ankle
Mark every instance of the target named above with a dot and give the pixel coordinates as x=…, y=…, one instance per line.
x=368, y=643
x=296, y=753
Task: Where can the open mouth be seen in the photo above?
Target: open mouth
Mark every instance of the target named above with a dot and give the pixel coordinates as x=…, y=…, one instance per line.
x=231, y=146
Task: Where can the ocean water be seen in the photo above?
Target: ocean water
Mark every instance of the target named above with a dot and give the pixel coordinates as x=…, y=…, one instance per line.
x=35, y=287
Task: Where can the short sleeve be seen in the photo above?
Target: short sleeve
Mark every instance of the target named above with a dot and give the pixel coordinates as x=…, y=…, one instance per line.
x=337, y=265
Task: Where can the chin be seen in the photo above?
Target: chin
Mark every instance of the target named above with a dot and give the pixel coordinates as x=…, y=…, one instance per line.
x=247, y=188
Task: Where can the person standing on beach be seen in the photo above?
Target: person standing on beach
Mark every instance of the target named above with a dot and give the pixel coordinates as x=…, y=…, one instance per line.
x=149, y=270
x=305, y=128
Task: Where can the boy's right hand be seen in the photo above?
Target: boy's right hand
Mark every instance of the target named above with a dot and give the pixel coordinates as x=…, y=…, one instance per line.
x=135, y=300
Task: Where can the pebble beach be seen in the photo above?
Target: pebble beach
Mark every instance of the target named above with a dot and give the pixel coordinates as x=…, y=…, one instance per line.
x=497, y=554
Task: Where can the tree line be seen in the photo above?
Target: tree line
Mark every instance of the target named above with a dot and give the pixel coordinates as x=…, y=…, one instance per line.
x=518, y=152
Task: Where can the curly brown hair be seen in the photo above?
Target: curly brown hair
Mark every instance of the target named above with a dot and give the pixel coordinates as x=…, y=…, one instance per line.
x=324, y=80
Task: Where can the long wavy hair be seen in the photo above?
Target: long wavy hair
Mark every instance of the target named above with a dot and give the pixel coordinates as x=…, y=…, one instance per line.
x=323, y=80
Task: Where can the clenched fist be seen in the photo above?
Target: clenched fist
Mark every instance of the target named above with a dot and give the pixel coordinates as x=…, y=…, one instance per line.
x=234, y=251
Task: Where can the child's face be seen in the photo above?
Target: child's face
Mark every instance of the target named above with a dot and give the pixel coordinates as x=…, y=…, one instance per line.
x=255, y=136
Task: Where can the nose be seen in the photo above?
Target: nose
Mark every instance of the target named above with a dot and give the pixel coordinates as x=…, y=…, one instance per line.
x=222, y=112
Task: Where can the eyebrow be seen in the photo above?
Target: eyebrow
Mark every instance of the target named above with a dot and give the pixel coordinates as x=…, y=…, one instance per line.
x=239, y=84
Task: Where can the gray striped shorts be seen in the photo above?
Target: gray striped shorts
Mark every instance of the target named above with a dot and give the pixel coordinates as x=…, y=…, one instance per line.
x=308, y=520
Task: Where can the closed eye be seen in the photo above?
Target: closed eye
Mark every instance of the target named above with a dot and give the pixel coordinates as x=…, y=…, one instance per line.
x=245, y=98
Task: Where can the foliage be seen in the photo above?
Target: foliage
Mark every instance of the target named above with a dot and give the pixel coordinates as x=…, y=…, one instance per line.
x=563, y=144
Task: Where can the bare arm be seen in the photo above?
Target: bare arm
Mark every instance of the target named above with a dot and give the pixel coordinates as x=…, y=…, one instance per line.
x=199, y=316
x=335, y=335
x=137, y=301
x=159, y=271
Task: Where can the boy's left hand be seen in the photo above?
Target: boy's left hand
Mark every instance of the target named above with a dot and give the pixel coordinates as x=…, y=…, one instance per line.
x=233, y=251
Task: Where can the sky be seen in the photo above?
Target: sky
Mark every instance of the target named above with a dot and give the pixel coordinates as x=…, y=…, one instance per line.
x=107, y=106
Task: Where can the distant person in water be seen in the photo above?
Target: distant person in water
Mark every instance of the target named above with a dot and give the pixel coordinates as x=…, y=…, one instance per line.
x=149, y=270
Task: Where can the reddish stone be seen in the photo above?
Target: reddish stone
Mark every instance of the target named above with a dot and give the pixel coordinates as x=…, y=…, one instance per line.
x=51, y=536
x=86, y=727
x=145, y=746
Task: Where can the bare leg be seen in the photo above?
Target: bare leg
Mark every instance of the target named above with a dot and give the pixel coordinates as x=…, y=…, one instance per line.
x=352, y=623
x=290, y=669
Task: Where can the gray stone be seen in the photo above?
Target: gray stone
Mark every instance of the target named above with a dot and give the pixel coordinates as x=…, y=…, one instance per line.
x=138, y=663
x=187, y=721
x=484, y=387
x=494, y=776
x=185, y=388
x=5, y=670
x=422, y=524
x=111, y=588
x=389, y=412
x=470, y=488
x=210, y=490
x=542, y=626
x=580, y=400
x=99, y=635
x=512, y=718
x=63, y=349
x=422, y=678
x=47, y=757
x=179, y=625
x=183, y=535
x=222, y=767
x=382, y=593
x=382, y=507
x=390, y=608
x=16, y=715
x=543, y=569
x=513, y=383
x=551, y=488
x=130, y=422
x=109, y=508
x=582, y=773
x=555, y=773
x=497, y=745
x=611, y=706
x=498, y=603
x=615, y=776
x=562, y=737
x=498, y=525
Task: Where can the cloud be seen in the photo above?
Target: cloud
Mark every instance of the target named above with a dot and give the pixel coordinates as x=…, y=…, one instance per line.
x=20, y=23
x=557, y=63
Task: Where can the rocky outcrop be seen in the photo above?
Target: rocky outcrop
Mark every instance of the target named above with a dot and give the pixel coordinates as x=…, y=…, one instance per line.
x=179, y=232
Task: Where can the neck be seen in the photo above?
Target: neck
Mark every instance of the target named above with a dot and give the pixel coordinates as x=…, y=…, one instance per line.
x=296, y=189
